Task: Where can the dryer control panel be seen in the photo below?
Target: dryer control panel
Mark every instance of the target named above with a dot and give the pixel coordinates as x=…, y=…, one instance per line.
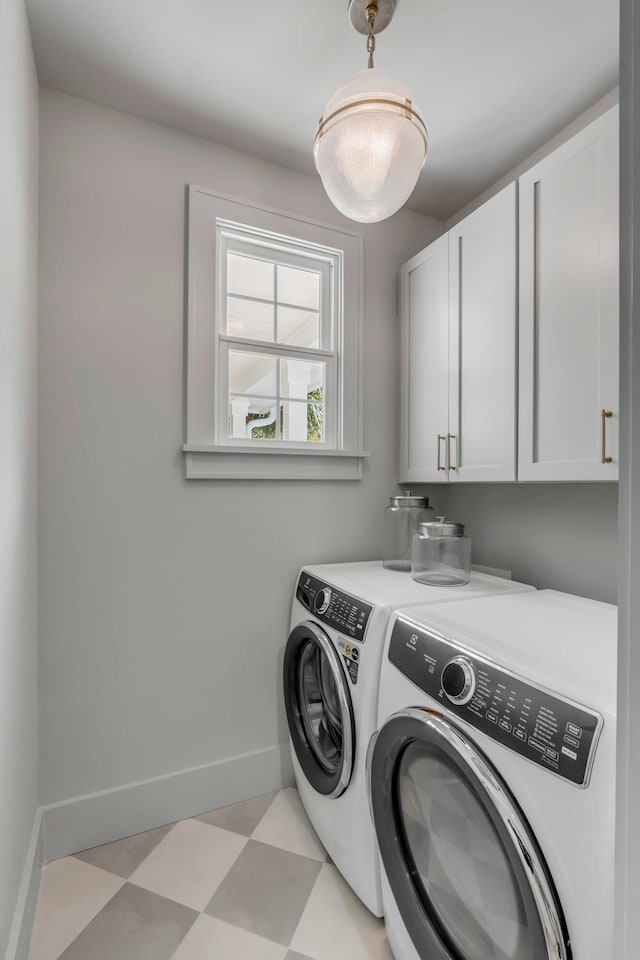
x=336, y=608
x=543, y=727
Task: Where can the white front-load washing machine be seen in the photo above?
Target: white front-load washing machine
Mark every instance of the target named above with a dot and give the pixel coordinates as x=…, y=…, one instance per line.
x=332, y=659
x=492, y=779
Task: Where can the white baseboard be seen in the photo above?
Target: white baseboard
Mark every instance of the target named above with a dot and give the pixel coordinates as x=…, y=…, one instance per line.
x=84, y=822
x=24, y=914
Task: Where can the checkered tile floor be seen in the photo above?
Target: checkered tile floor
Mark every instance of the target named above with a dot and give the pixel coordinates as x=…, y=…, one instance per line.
x=248, y=882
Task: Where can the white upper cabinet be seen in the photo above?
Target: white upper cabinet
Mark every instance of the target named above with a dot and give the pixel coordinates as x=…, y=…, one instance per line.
x=458, y=316
x=569, y=313
x=424, y=315
x=482, y=342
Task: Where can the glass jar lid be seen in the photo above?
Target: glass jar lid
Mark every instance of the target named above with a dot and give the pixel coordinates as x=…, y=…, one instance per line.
x=441, y=527
x=409, y=499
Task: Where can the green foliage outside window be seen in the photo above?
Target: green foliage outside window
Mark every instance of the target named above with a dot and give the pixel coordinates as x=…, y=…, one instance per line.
x=314, y=420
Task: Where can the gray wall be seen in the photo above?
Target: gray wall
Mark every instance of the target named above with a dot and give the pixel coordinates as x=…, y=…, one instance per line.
x=164, y=604
x=18, y=305
x=561, y=535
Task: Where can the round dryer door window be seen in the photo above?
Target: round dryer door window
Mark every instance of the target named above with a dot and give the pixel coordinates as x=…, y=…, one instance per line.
x=466, y=872
x=319, y=709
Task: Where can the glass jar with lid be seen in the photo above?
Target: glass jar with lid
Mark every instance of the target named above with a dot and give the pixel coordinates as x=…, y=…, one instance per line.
x=401, y=520
x=441, y=554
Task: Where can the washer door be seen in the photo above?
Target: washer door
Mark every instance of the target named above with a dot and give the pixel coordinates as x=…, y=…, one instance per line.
x=465, y=870
x=319, y=709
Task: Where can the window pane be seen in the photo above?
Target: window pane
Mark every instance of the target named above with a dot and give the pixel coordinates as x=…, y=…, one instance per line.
x=300, y=288
x=298, y=327
x=247, y=318
x=252, y=373
x=252, y=419
x=302, y=421
x=249, y=277
x=302, y=379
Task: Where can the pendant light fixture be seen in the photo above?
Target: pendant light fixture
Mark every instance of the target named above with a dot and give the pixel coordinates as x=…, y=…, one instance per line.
x=371, y=142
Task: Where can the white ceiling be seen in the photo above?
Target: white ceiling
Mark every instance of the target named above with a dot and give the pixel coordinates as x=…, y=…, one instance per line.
x=493, y=78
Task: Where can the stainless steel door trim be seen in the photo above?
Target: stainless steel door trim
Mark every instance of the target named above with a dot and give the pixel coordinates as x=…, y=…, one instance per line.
x=368, y=765
x=512, y=821
x=337, y=672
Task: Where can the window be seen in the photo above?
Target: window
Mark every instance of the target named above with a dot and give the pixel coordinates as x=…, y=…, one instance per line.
x=277, y=334
x=273, y=344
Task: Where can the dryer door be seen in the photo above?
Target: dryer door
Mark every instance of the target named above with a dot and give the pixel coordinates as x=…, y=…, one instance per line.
x=319, y=709
x=467, y=875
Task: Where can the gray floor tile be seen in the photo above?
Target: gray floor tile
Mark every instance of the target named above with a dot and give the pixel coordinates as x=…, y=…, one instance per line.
x=295, y=956
x=240, y=817
x=122, y=857
x=135, y=925
x=265, y=891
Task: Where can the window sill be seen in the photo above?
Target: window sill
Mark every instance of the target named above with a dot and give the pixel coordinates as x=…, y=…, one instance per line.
x=211, y=462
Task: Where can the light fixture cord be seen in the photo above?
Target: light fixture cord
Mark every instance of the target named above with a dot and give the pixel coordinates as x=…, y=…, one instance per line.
x=372, y=10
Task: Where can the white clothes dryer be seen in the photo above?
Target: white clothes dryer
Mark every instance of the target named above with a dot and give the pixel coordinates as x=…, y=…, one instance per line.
x=492, y=779
x=332, y=659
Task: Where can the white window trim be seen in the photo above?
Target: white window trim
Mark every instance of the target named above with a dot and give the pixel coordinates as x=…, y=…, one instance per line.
x=205, y=456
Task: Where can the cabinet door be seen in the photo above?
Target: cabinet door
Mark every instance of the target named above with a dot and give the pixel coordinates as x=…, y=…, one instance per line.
x=482, y=342
x=424, y=313
x=569, y=315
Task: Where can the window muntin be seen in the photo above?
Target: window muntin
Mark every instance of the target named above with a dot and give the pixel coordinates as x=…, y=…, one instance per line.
x=278, y=322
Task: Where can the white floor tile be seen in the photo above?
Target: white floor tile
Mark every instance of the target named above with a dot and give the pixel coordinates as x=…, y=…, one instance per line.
x=189, y=863
x=286, y=825
x=71, y=894
x=210, y=938
x=335, y=924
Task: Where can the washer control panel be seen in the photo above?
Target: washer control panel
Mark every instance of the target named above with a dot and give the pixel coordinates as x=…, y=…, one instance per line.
x=546, y=729
x=336, y=608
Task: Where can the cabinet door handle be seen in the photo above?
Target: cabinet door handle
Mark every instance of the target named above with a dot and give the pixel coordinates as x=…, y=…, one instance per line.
x=604, y=415
x=440, y=437
x=450, y=437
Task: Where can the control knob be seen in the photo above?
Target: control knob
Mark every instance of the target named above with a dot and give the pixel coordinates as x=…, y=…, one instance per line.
x=459, y=680
x=322, y=600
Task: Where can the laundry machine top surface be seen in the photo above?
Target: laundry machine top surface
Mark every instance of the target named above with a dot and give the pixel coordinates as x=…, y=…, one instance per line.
x=374, y=583
x=565, y=643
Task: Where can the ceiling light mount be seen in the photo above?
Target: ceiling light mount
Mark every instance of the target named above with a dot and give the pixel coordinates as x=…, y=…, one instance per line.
x=359, y=12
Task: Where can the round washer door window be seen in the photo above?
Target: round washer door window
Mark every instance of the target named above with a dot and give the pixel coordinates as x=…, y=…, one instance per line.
x=466, y=872
x=319, y=709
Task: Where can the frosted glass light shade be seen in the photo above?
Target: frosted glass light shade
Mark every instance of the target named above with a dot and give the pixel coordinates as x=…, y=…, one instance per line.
x=370, y=146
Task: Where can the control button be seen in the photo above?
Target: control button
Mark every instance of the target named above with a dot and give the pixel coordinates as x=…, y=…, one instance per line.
x=574, y=730
x=571, y=741
x=322, y=600
x=355, y=654
x=505, y=725
x=569, y=753
x=347, y=649
x=552, y=754
x=520, y=734
x=536, y=746
x=492, y=717
x=458, y=680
